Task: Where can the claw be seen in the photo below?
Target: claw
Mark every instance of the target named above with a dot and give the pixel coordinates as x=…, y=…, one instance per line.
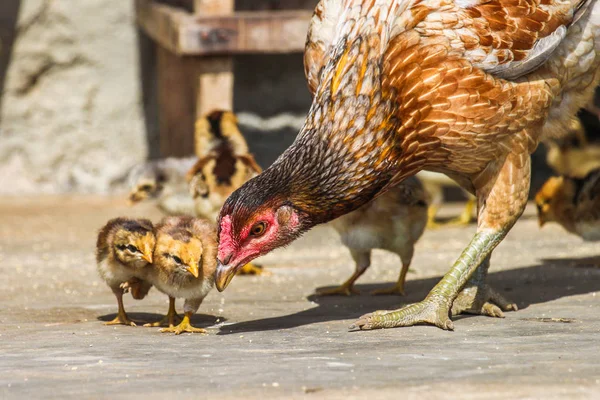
x=393, y=290
x=425, y=312
x=121, y=319
x=482, y=300
x=184, y=326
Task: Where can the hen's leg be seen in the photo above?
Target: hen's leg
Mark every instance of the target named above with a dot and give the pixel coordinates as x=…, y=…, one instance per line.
x=170, y=319
x=121, y=318
x=502, y=201
x=362, y=261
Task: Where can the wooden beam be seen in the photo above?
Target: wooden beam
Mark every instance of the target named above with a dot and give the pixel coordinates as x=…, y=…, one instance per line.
x=213, y=7
x=215, y=82
x=206, y=34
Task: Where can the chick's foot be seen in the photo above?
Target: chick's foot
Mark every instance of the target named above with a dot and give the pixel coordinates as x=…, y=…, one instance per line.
x=342, y=290
x=168, y=320
x=121, y=319
x=483, y=300
x=397, y=289
x=428, y=311
x=184, y=326
x=251, y=269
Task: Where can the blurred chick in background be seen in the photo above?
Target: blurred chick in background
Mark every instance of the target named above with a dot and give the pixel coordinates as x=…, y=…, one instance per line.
x=434, y=184
x=224, y=163
x=163, y=181
x=573, y=203
x=394, y=222
x=578, y=152
x=185, y=260
x=124, y=250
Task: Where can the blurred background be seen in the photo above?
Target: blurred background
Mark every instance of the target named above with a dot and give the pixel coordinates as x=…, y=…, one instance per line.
x=81, y=101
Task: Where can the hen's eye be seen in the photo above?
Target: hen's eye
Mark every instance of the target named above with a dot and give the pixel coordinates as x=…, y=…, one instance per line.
x=177, y=260
x=132, y=248
x=258, y=229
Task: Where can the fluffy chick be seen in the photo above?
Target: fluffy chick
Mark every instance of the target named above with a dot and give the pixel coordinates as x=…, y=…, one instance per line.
x=573, y=203
x=576, y=153
x=163, y=181
x=124, y=249
x=394, y=222
x=434, y=184
x=224, y=162
x=185, y=260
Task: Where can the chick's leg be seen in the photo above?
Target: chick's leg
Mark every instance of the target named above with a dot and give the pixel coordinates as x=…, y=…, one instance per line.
x=398, y=288
x=121, y=318
x=168, y=320
x=362, y=261
x=189, y=308
x=502, y=201
x=465, y=216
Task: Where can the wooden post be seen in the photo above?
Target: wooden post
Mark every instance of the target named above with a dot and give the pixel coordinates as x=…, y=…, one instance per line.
x=215, y=86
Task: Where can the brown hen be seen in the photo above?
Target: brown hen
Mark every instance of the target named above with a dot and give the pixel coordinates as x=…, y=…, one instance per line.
x=466, y=88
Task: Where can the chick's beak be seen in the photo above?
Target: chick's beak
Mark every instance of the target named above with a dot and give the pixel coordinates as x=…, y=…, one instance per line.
x=193, y=269
x=147, y=257
x=223, y=276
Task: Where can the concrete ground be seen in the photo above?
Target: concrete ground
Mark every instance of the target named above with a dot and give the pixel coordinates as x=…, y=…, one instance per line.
x=270, y=337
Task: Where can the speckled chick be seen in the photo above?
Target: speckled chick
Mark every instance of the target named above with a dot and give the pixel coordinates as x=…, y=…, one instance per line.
x=573, y=203
x=394, y=222
x=185, y=260
x=123, y=252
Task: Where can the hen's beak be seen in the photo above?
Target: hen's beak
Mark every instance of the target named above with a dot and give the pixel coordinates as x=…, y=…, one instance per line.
x=193, y=269
x=147, y=257
x=223, y=276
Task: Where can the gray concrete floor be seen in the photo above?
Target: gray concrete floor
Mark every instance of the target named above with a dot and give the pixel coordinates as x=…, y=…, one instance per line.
x=269, y=336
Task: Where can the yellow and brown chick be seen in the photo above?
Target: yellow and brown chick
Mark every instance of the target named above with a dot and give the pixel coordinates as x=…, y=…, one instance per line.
x=573, y=203
x=394, y=222
x=185, y=260
x=123, y=252
x=224, y=163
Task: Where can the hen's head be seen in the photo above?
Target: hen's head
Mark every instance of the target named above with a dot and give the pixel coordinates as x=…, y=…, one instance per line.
x=252, y=224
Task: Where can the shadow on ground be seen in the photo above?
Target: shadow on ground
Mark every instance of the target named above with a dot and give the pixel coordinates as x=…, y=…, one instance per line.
x=552, y=280
x=140, y=318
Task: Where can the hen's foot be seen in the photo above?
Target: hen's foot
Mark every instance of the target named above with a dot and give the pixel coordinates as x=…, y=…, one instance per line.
x=251, y=269
x=343, y=290
x=121, y=319
x=482, y=300
x=397, y=289
x=425, y=312
x=184, y=326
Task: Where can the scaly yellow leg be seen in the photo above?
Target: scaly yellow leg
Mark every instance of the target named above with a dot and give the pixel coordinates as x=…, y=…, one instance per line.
x=169, y=319
x=184, y=326
x=121, y=318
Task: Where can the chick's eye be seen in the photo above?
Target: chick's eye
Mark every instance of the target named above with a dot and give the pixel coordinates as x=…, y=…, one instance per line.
x=132, y=248
x=258, y=229
x=177, y=259
x=146, y=187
